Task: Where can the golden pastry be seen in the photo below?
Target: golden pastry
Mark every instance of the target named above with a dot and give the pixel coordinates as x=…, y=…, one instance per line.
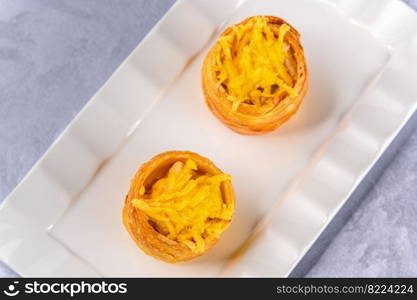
x=255, y=76
x=178, y=205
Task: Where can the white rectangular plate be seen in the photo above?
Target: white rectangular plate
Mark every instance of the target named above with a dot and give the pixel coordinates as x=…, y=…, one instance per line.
x=64, y=218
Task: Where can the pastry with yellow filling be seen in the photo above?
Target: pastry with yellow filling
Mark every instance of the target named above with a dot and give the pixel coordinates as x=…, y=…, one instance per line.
x=255, y=76
x=178, y=205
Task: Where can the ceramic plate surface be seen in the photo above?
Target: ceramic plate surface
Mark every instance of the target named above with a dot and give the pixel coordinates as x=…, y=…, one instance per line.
x=64, y=218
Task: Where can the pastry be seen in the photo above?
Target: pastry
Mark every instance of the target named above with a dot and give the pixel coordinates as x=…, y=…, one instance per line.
x=254, y=78
x=178, y=205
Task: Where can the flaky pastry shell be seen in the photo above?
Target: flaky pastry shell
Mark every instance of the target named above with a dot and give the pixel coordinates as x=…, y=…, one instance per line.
x=137, y=222
x=250, y=119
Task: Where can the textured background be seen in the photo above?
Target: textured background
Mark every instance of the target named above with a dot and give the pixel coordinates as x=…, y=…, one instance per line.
x=55, y=54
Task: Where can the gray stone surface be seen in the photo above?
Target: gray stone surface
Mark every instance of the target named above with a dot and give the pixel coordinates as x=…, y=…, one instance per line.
x=54, y=55
x=380, y=239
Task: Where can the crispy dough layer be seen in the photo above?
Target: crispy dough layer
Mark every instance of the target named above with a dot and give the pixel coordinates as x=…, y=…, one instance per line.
x=137, y=222
x=251, y=119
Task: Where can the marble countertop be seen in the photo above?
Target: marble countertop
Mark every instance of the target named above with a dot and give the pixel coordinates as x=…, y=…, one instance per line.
x=54, y=55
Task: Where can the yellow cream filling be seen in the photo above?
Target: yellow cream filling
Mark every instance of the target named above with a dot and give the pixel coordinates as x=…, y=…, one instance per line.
x=186, y=207
x=251, y=62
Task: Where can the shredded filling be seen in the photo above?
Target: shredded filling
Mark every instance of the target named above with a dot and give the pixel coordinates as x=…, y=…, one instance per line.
x=186, y=206
x=252, y=63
